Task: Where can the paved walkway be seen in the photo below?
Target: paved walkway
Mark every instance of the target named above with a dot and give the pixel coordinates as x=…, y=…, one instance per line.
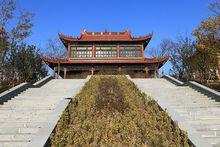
x=22, y=117
x=195, y=112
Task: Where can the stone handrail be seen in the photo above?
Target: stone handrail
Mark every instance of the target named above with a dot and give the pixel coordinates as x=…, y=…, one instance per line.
x=201, y=88
x=173, y=80
x=43, y=81
x=14, y=91
x=205, y=90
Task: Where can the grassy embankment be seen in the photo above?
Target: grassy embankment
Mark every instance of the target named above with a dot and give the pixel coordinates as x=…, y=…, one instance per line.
x=111, y=111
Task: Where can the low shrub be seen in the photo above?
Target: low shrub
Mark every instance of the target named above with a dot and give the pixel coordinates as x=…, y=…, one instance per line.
x=112, y=111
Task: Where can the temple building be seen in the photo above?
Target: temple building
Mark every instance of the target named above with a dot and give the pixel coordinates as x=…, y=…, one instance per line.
x=105, y=53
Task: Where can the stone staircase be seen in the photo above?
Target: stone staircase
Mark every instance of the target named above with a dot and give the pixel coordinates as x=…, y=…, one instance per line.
x=195, y=112
x=23, y=116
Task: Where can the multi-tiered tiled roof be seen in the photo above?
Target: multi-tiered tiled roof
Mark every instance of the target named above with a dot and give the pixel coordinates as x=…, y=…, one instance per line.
x=105, y=36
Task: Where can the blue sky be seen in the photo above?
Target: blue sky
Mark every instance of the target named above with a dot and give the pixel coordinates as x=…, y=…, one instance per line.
x=166, y=18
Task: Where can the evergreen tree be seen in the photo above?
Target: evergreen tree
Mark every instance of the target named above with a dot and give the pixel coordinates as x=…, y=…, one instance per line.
x=19, y=61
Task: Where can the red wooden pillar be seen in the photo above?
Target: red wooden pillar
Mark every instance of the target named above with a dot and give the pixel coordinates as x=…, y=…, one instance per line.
x=156, y=72
x=118, y=50
x=142, y=51
x=93, y=51
x=65, y=73
x=68, y=51
x=147, y=72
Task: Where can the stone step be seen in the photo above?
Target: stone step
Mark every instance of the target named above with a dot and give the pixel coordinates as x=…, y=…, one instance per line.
x=178, y=96
x=28, y=103
x=204, y=121
x=10, y=113
x=184, y=98
x=175, y=96
x=190, y=105
x=46, y=94
x=24, y=120
x=22, y=116
x=210, y=135
x=16, y=130
x=203, y=118
x=197, y=114
x=33, y=108
x=209, y=131
x=193, y=106
x=207, y=127
x=26, y=108
x=16, y=137
x=216, y=144
x=199, y=110
x=212, y=139
x=23, y=96
x=193, y=102
x=9, y=105
x=13, y=144
x=38, y=101
x=199, y=117
x=21, y=124
x=47, y=99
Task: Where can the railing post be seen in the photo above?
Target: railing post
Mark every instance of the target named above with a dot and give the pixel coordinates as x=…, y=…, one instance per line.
x=118, y=50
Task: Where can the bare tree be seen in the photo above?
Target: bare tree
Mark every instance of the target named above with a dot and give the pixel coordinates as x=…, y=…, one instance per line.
x=163, y=49
x=180, y=52
x=214, y=7
x=55, y=49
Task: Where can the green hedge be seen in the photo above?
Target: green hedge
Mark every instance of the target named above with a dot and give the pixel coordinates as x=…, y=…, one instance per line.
x=112, y=111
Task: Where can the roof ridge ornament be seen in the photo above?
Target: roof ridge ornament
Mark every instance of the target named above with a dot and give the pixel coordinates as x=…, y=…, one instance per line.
x=128, y=31
x=84, y=32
